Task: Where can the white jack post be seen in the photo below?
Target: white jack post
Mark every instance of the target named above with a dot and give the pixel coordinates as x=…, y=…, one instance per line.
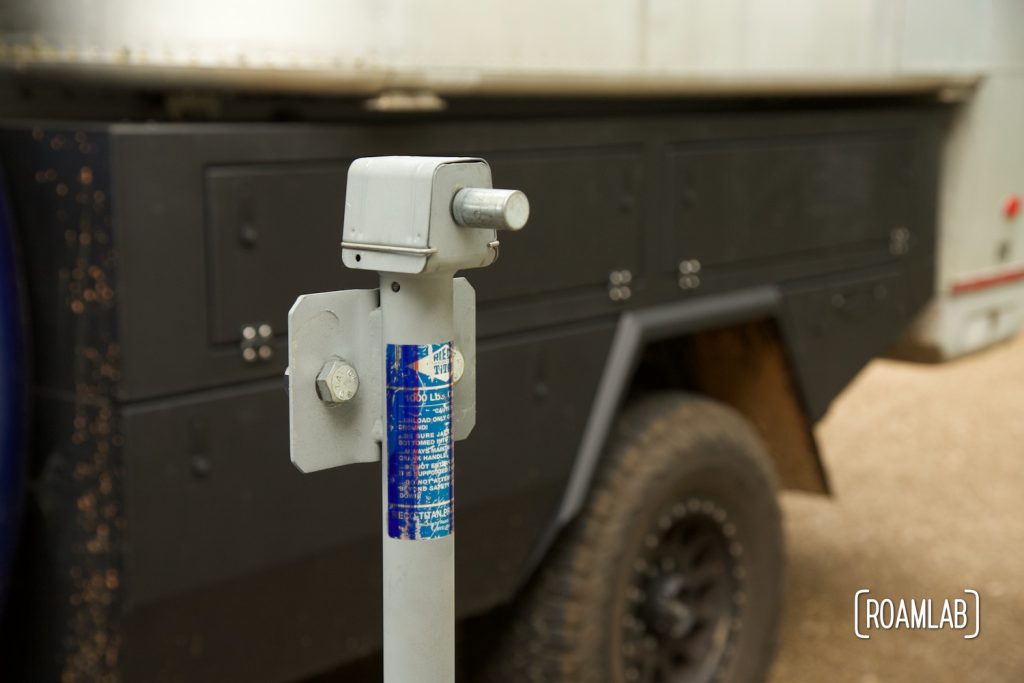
x=390, y=375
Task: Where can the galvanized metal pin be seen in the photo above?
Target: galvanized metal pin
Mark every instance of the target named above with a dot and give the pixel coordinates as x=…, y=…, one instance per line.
x=490, y=209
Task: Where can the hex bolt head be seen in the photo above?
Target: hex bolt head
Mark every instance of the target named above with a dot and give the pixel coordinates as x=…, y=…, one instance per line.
x=337, y=382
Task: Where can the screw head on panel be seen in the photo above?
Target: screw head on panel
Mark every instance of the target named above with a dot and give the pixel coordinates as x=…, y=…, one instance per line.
x=899, y=241
x=255, y=344
x=618, y=285
x=689, y=266
x=689, y=281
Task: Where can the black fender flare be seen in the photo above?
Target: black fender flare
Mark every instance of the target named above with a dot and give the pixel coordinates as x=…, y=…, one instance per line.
x=634, y=331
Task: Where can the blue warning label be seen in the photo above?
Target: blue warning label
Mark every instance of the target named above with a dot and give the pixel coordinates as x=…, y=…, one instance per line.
x=419, y=417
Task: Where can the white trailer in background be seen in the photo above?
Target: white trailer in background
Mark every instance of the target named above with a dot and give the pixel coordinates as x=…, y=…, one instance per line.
x=979, y=296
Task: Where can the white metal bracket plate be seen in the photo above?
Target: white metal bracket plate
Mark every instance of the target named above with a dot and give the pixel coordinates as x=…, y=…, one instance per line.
x=347, y=325
x=464, y=391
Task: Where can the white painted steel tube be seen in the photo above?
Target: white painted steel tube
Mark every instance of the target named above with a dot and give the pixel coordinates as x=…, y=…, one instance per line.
x=419, y=572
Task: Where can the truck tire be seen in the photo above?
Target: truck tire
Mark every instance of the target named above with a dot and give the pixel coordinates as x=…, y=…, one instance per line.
x=673, y=569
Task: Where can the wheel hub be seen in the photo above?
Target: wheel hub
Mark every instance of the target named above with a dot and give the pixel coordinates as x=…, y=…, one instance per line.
x=669, y=608
x=685, y=597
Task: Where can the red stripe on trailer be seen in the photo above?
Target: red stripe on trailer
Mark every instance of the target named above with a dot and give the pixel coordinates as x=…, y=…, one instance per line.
x=979, y=283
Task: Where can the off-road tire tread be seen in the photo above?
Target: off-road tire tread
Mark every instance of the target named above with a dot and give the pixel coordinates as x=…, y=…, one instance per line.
x=557, y=613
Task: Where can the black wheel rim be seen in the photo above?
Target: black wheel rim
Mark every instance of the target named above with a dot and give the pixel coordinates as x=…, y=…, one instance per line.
x=684, y=596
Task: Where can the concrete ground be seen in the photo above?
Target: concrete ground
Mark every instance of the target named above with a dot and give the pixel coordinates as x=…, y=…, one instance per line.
x=927, y=467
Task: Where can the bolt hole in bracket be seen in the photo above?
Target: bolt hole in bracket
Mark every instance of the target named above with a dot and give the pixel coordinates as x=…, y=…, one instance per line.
x=327, y=433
